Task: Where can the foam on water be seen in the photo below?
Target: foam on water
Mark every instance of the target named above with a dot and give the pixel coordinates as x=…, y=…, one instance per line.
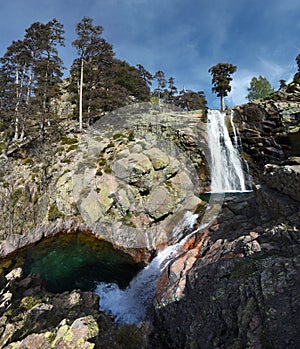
x=131, y=304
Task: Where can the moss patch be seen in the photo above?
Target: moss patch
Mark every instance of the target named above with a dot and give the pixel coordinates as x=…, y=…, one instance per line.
x=69, y=140
x=54, y=213
x=29, y=302
x=131, y=136
x=73, y=147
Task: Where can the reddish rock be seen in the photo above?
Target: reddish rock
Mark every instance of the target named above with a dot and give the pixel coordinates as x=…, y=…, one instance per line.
x=171, y=283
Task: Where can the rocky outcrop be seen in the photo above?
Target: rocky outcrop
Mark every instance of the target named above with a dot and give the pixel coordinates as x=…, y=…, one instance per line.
x=241, y=291
x=270, y=128
x=238, y=287
x=284, y=178
x=30, y=317
x=128, y=180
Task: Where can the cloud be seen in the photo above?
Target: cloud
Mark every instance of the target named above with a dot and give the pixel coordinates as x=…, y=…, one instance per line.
x=239, y=85
x=275, y=72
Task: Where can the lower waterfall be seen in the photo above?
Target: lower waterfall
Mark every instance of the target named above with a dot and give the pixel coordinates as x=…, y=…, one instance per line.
x=131, y=304
x=227, y=174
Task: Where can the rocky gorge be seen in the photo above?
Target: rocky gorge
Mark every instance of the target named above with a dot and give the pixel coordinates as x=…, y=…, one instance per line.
x=129, y=181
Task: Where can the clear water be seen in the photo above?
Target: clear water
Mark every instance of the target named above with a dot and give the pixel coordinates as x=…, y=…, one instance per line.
x=73, y=261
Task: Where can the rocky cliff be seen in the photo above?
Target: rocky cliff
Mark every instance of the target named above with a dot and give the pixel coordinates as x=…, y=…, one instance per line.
x=129, y=180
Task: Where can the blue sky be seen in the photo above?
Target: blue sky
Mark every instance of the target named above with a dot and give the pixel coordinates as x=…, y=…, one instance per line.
x=184, y=38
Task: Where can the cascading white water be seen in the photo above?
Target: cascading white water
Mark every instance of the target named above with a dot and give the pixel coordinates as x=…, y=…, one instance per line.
x=227, y=173
x=131, y=305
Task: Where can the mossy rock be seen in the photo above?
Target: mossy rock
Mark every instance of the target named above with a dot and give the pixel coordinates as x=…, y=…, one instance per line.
x=54, y=213
x=119, y=135
x=72, y=147
x=131, y=137
x=131, y=336
x=29, y=302
x=69, y=140
x=28, y=162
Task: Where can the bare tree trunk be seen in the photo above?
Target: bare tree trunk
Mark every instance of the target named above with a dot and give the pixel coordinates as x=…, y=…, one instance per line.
x=16, y=135
x=43, y=113
x=19, y=96
x=222, y=103
x=80, y=94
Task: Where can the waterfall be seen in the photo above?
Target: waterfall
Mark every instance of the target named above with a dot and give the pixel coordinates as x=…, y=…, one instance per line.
x=227, y=173
x=131, y=304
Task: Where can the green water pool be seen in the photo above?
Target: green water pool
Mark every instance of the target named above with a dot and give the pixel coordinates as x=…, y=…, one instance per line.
x=71, y=261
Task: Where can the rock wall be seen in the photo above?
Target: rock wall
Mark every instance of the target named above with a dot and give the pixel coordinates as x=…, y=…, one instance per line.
x=238, y=289
x=270, y=128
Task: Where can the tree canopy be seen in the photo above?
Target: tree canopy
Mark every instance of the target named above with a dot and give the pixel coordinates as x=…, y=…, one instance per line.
x=100, y=80
x=221, y=80
x=259, y=88
x=35, y=98
x=29, y=76
x=297, y=75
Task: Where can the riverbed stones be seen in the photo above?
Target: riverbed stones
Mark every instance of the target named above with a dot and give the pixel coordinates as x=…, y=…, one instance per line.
x=34, y=318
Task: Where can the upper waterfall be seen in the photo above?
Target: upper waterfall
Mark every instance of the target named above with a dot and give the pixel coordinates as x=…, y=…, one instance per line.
x=227, y=173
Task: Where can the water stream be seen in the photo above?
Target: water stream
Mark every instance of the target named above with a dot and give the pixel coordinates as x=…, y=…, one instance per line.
x=131, y=305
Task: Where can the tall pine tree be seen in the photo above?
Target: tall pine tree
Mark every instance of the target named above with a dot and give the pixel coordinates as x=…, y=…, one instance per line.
x=94, y=55
x=30, y=73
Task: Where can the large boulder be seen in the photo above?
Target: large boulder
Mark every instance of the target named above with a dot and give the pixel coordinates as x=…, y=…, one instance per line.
x=285, y=179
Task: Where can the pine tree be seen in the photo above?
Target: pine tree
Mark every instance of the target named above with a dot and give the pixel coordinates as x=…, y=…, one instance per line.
x=297, y=75
x=31, y=70
x=15, y=77
x=172, y=90
x=145, y=75
x=47, y=68
x=95, y=54
x=259, y=88
x=221, y=80
x=161, y=84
